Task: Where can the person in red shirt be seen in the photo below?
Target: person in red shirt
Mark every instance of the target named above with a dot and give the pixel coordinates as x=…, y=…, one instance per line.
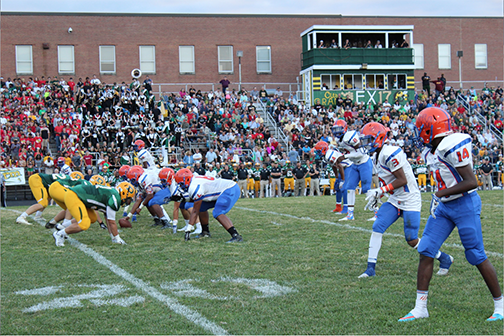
x=88, y=160
x=71, y=85
x=58, y=130
x=37, y=141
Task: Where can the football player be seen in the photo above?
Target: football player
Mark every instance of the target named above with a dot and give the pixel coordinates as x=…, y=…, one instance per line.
x=360, y=170
x=82, y=200
x=455, y=204
x=330, y=156
x=397, y=180
x=206, y=193
x=144, y=156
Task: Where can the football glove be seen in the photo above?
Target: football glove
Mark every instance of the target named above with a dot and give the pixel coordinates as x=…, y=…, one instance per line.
x=103, y=226
x=341, y=185
x=433, y=205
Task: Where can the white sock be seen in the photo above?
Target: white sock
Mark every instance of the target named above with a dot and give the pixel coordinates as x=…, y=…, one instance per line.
x=186, y=221
x=351, y=198
x=164, y=218
x=166, y=215
x=63, y=233
x=38, y=214
x=198, y=226
x=498, y=305
x=126, y=208
x=23, y=215
x=421, y=300
x=175, y=222
x=374, y=246
x=52, y=221
x=111, y=236
x=438, y=254
x=66, y=223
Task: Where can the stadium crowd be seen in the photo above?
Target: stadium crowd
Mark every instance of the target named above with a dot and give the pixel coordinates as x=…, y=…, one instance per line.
x=94, y=124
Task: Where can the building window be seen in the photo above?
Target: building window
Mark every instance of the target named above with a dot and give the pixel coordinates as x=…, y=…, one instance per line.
x=330, y=82
x=107, y=59
x=352, y=82
x=24, y=59
x=444, y=56
x=148, y=59
x=225, y=59
x=396, y=81
x=480, y=56
x=374, y=81
x=419, y=58
x=186, y=60
x=263, y=55
x=66, y=63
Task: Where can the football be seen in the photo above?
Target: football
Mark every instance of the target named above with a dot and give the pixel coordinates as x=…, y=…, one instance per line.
x=124, y=223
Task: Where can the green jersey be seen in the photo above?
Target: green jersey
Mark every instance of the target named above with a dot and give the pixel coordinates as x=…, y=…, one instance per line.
x=48, y=179
x=257, y=174
x=421, y=169
x=100, y=198
x=330, y=172
x=108, y=176
x=68, y=182
x=288, y=172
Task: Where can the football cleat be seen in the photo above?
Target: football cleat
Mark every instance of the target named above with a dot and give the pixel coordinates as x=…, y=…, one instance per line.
x=174, y=228
x=59, y=239
x=411, y=316
x=50, y=225
x=22, y=220
x=157, y=222
x=118, y=240
x=372, y=219
x=338, y=208
x=166, y=224
x=187, y=236
x=125, y=214
x=368, y=273
x=495, y=317
x=236, y=239
x=444, y=265
x=203, y=234
x=348, y=217
x=134, y=219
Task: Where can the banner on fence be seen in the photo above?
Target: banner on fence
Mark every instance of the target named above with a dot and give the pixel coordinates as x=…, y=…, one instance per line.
x=13, y=176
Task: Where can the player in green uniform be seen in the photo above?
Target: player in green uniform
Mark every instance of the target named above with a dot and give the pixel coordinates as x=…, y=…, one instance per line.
x=288, y=179
x=82, y=200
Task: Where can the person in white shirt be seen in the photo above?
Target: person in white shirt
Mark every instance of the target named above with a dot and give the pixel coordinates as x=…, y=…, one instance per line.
x=210, y=156
x=206, y=193
x=396, y=175
x=455, y=204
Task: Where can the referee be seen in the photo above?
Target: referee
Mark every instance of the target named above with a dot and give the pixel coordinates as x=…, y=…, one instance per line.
x=242, y=179
x=276, y=174
x=486, y=171
x=299, y=176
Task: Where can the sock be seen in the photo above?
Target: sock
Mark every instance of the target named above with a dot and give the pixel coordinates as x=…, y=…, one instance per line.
x=498, y=305
x=24, y=214
x=232, y=231
x=186, y=221
x=52, y=221
x=66, y=223
x=175, y=222
x=166, y=215
x=421, y=300
x=351, y=198
x=374, y=246
x=163, y=218
x=204, y=227
x=63, y=233
x=38, y=214
x=111, y=236
x=200, y=227
x=155, y=217
x=126, y=208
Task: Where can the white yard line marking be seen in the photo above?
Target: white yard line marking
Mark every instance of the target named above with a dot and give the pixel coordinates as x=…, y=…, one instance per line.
x=346, y=226
x=275, y=223
x=172, y=303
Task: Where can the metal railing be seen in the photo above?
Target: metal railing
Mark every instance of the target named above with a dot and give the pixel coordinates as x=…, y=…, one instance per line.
x=279, y=134
x=164, y=88
x=482, y=120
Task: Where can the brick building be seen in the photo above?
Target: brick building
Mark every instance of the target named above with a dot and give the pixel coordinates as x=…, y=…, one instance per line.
x=202, y=48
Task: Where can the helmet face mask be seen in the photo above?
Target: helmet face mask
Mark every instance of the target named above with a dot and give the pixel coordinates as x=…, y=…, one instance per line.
x=321, y=148
x=134, y=174
x=166, y=176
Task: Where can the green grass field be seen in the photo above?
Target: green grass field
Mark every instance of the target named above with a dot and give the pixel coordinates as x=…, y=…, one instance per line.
x=296, y=273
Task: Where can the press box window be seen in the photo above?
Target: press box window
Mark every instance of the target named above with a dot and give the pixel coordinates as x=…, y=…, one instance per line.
x=107, y=59
x=225, y=55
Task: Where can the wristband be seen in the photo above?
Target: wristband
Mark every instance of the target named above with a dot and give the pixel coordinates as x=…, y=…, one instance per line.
x=141, y=206
x=387, y=188
x=129, y=215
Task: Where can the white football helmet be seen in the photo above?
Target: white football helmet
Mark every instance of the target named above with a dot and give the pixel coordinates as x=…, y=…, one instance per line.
x=351, y=138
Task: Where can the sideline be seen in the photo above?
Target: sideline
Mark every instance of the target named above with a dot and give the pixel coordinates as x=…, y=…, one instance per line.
x=172, y=303
x=351, y=227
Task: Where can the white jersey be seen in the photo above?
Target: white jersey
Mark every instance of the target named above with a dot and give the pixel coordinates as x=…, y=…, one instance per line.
x=65, y=170
x=149, y=182
x=346, y=162
x=208, y=189
x=145, y=156
x=356, y=156
x=407, y=197
x=454, y=151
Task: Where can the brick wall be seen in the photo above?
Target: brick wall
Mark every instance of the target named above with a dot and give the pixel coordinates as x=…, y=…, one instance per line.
x=243, y=32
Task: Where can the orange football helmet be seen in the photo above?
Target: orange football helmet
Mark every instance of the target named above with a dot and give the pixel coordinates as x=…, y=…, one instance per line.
x=166, y=175
x=123, y=171
x=374, y=136
x=184, y=177
x=322, y=146
x=138, y=145
x=340, y=127
x=431, y=123
x=134, y=174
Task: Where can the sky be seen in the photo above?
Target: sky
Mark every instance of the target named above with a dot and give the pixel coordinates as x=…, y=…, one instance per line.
x=344, y=7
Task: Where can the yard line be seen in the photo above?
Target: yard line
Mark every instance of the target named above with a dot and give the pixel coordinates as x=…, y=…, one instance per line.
x=172, y=303
x=347, y=226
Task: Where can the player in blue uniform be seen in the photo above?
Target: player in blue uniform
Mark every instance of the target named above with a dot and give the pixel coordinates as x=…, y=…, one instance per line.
x=455, y=204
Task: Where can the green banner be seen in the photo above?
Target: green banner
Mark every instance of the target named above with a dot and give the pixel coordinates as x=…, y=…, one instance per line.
x=329, y=97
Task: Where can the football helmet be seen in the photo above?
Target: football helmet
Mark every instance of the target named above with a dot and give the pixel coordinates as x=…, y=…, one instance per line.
x=61, y=161
x=133, y=174
x=339, y=128
x=431, y=123
x=183, y=178
x=98, y=180
x=421, y=161
x=166, y=175
x=374, y=136
x=351, y=139
x=138, y=145
x=77, y=175
x=123, y=171
x=126, y=190
x=321, y=147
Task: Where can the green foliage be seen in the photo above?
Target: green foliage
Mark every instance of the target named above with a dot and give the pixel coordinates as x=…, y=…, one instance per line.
x=295, y=242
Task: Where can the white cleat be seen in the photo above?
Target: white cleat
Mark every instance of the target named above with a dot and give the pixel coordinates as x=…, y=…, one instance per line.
x=372, y=219
x=183, y=229
x=347, y=218
x=59, y=239
x=22, y=220
x=118, y=240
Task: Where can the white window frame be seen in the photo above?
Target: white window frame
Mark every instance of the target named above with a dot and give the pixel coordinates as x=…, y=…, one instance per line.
x=220, y=60
x=480, y=56
x=18, y=61
x=444, y=56
x=71, y=61
x=107, y=61
x=144, y=62
x=268, y=61
x=418, y=53
x=188, y=61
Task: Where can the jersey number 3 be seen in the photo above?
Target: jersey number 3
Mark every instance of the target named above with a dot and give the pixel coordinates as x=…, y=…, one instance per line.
x=395, y=162
x=463, y=155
